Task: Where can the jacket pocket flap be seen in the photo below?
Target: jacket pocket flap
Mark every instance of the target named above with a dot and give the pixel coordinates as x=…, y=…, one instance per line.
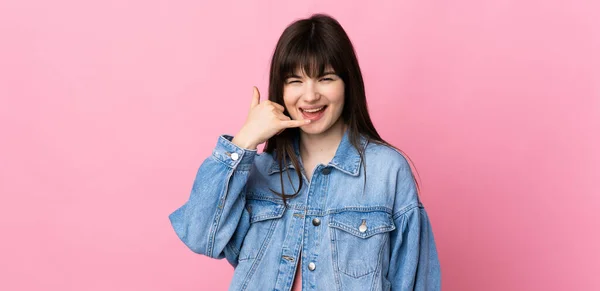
x=362, y=224
x=263, y=210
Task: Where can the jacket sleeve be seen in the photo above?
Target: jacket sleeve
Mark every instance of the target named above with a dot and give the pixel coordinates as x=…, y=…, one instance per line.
x=414, y=263
x=214, y=220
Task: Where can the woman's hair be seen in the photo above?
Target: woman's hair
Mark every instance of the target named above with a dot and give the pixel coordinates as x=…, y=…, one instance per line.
x=312, y=45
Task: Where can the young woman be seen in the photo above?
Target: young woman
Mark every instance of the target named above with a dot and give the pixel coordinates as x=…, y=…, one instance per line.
x=328, y=205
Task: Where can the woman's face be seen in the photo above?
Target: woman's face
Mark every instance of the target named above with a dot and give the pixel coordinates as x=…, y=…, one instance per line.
x=319, y=99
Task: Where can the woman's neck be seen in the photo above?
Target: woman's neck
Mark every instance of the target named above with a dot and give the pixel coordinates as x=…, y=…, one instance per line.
x=320, y=148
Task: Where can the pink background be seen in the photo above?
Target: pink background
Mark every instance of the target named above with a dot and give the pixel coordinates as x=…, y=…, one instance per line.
x=107, y=109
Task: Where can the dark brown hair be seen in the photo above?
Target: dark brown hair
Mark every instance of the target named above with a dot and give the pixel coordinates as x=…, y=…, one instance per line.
x=312, y=45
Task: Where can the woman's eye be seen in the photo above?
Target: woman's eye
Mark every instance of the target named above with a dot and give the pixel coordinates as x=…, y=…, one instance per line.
x=327, y=79
x=293, y=81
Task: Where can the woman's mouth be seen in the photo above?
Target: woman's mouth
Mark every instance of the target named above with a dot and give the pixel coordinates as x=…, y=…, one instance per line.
x=313, y=114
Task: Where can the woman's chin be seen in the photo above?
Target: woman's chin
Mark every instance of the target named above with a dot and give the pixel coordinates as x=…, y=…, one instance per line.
x=314, y=128
x=311, y=129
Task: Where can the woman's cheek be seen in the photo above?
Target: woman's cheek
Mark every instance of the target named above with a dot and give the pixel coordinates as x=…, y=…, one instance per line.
x=289, y=108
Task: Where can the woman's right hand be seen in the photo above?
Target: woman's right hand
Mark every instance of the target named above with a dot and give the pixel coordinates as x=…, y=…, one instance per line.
x=265, y=119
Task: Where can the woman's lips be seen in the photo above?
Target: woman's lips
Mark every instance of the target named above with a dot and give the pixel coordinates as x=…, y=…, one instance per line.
x=313, y=116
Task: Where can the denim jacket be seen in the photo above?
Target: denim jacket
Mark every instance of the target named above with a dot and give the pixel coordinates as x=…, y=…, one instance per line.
x=350, y=235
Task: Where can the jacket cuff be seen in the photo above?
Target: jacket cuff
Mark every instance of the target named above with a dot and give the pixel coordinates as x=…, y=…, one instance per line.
x=233, y=155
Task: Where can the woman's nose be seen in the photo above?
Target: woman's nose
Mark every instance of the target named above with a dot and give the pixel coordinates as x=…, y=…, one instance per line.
x=311, y=94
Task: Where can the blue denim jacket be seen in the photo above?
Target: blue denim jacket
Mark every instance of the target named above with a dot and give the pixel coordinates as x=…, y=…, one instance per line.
x=350, y=235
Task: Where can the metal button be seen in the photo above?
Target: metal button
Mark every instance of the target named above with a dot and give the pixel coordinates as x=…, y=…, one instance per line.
x=235, y=156
x=326, y=171
x=316, y=221
x=363, y=226
x=312, y=266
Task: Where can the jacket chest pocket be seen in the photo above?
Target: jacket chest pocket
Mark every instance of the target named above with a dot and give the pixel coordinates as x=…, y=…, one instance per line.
x=264, y=216
x=358, y=240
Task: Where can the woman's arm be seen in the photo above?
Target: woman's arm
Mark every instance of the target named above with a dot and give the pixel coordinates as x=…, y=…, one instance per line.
x=214, y=221
x=414, y=261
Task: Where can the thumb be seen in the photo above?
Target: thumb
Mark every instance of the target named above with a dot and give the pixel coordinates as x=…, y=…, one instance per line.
x=255, y=97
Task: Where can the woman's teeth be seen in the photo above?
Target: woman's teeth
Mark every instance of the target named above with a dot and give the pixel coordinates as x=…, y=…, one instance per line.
x=313, y=110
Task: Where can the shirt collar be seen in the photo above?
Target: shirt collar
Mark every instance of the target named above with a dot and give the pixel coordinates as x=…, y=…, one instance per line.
x=346, y=158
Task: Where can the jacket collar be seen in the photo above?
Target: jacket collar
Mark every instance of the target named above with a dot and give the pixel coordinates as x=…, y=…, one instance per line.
x=346, y=158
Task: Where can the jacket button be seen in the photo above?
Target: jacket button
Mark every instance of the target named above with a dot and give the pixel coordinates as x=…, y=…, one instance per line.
x=326, y=171
x=312, y=266
x=235, y=156
x=316, y=221
x=363, y=227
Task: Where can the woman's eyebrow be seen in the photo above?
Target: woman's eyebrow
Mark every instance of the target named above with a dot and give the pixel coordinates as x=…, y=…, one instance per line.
x=320, y=76
x=327, y=73
x=293, y=76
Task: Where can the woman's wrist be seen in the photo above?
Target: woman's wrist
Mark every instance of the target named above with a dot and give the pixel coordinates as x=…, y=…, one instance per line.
x=242, y=141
